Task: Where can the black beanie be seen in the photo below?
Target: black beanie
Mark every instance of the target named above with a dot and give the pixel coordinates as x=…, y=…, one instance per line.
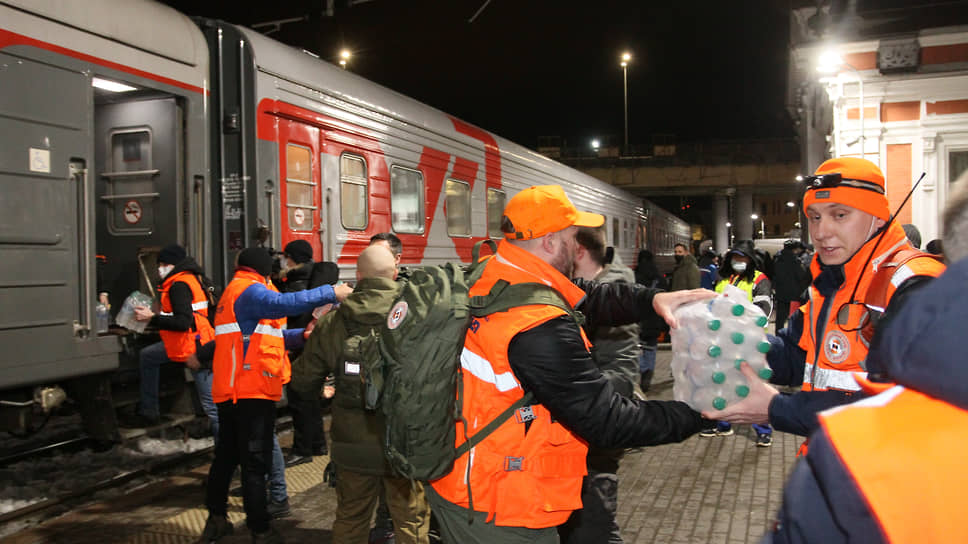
x=299, y=251
x=172, y=254
x=256, y=258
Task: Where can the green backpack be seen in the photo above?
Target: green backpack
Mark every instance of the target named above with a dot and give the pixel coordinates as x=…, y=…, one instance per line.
x=411, y=368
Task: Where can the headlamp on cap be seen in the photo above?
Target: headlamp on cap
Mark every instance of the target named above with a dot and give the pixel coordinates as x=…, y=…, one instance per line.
x=836, y=179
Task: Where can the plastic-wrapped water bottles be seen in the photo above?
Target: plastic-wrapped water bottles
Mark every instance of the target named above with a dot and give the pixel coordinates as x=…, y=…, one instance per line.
x=713, y=338
x=126, y=318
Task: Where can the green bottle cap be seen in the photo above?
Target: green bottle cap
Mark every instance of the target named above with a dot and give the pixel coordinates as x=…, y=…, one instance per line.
x=742, y=390
x=719, y=403
x=738, y=310
x=719, y=377
x=765, y=373
x=762, y=321
x=714, y=324
x=714, y=351
x=763, y=347
x=737, y=338
x=737, y=363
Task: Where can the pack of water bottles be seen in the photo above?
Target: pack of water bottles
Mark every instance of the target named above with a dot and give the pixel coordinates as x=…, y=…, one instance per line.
x=714, y=336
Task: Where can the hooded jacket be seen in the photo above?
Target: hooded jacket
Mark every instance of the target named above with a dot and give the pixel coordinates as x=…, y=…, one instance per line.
x=356, y=433
x=616, y=349
x=831, y=496
x=685, y=275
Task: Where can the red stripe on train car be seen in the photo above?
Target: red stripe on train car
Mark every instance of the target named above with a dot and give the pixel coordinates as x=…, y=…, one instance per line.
x=8, y=39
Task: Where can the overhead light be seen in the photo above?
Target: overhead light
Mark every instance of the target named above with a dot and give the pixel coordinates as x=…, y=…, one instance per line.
x=791, y=204
x=595, y=144
x=112, y=86
x=799, y=178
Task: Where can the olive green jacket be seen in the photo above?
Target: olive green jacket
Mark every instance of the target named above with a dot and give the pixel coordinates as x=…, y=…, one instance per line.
x=356, y=433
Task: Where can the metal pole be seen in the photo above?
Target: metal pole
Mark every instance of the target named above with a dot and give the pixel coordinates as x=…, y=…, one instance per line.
x=625, y=88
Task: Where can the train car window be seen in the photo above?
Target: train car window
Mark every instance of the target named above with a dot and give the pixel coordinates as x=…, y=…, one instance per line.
x=458, y=208
x=300, y=187
x=406, y=200
x=615, y=233
x=131, y=183
x=495, y=211
x=352, y=192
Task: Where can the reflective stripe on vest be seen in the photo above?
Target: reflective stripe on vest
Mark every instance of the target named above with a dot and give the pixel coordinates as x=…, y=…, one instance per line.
x=827, y=378
x=482, y=370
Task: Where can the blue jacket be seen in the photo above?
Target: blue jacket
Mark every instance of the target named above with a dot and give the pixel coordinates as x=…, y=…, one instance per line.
x=258, y=302
x=918, y=348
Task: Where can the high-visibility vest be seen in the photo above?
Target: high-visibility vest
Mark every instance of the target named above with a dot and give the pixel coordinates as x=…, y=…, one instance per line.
x=842, y=348
x=258, y=372
x=521, y=479
x=743, y=283
x=180, y=344
x=906, y=453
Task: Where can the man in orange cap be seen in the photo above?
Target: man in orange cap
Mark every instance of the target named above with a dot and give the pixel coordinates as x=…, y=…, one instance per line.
x=525, y=478
x=863, y=270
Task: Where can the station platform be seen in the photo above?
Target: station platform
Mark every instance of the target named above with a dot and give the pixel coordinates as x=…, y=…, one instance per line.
x=716, y=489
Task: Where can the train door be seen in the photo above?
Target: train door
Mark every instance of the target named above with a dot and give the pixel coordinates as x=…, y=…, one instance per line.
x=139, y=185
x=47, y=270
x=300, y=193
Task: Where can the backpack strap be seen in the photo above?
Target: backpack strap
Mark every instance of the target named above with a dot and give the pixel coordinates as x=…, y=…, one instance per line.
x=504, y=296
x=493, y=425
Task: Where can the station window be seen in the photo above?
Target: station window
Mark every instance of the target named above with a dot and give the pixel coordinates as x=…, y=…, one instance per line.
x=300, y=187
x=406, y=200
x=458, y=208
x=495, y=211
x=957, y=164
x=352, y=192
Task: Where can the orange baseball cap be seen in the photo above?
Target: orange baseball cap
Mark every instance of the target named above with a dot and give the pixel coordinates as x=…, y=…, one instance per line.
x=543, y=209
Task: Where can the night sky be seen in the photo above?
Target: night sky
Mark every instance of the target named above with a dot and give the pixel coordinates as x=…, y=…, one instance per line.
x=529, y=68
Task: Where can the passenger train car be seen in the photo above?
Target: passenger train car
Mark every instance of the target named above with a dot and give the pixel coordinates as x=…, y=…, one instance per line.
x=127, y=126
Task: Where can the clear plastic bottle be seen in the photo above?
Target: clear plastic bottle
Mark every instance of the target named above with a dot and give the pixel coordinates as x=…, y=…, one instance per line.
x=102, y=314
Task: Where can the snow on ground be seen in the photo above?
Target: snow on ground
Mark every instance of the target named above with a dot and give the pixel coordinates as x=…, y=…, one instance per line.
x=35, y=480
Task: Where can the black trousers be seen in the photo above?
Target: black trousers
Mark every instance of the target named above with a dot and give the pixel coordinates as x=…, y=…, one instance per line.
x=245, y=436
x=595, y=522
x=308, y=438
x=782, y=313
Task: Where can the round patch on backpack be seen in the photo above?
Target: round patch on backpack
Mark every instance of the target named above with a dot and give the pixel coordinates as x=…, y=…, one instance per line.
x=836, y=347
x=397, y=314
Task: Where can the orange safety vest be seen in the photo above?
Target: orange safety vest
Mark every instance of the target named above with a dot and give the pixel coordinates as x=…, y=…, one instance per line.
x=843, y=353
x=521, y=479
x=258, y=372
x=906, y=453
x=180, y=344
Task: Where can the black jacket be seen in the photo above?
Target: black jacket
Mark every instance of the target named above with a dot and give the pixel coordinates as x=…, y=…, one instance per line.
x=551, y=361
x=180, y=295
x=791, y=278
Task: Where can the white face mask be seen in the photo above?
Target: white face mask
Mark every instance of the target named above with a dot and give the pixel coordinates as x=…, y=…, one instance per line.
x=739, y=267
x=165, y=270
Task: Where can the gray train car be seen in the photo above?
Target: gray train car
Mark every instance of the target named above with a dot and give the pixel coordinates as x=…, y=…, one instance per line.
x=127, y=126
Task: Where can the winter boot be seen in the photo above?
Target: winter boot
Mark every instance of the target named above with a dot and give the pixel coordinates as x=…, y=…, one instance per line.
x=215, y=528
x=646, y=381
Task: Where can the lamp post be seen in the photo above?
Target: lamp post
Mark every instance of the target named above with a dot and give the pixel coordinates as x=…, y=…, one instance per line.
x=626, y=58
x=344, y=57
x=828, y=63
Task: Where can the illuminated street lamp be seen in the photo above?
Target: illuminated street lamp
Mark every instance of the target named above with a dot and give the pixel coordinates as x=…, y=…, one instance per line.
x=754, y=217
x=829, y=63
x=596, y=144
x=344, y=57
x=626, y=59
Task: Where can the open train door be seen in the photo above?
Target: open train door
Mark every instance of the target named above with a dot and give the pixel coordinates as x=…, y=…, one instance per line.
x=139, y=182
